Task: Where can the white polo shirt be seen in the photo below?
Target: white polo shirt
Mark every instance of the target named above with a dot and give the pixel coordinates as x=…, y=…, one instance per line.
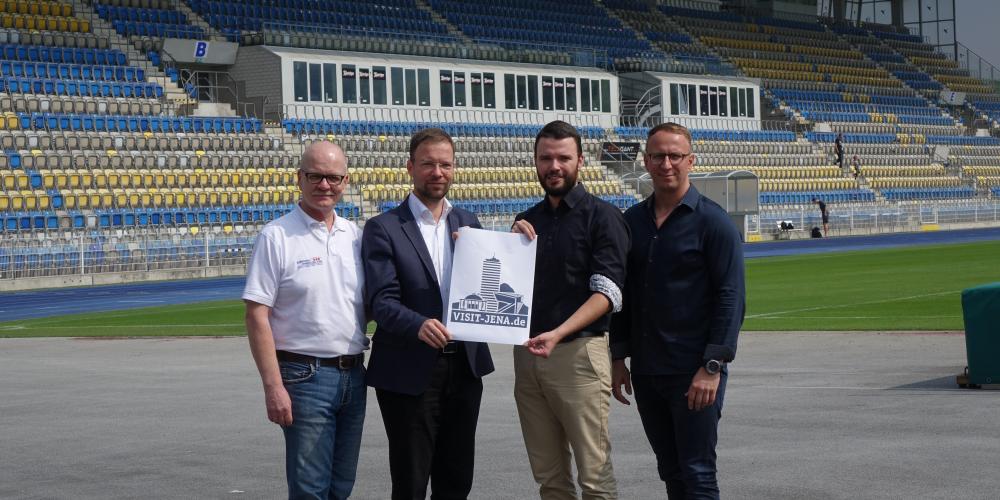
x=438, y=241
x=313, y=281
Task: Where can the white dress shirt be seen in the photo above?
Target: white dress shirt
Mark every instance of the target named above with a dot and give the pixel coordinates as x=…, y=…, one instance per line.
x=437, y=240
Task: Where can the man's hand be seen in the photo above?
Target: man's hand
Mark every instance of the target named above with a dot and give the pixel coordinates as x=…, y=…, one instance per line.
x=543, y=344
x=524, y=227
x=703, y=388
x=620, y=376
x=279, y=405
x=434, y=334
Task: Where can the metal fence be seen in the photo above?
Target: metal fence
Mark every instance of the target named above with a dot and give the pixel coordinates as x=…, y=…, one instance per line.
x=47, y=254
x=84, y=252
x=861, y=219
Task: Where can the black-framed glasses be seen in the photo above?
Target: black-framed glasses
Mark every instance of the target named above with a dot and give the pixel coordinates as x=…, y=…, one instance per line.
x=673, y=157
x=316, y=178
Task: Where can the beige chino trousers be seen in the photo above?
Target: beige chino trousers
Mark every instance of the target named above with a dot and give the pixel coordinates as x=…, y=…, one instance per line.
x=563, y=404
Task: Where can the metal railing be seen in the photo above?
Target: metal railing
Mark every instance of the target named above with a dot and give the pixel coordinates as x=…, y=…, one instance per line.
x=408, y=43
x=93, y=252
x=877, y=218
x=977, y=66
x=441, y=115
x=85, y=252
x=220, y=87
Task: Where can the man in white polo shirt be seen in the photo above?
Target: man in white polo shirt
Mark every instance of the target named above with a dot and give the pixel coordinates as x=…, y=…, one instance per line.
x=305, y=320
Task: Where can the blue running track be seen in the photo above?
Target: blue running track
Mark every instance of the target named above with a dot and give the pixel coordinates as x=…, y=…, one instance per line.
x=44, y=303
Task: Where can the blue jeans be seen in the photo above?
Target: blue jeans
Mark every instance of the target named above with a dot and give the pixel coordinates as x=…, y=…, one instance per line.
x=324, y=440
x=683, y=440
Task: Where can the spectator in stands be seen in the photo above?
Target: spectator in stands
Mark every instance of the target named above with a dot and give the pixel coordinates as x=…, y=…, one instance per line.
x=305, y=320
x=838, y=149
x=824, y=214
x=562, y=375
x=682, y=310
x=428, y=386
x=856, y=166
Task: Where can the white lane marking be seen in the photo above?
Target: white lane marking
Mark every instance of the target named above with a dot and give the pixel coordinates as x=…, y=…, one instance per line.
x=80, y=327
x=865, y=317
x=848, y=388
x=838, y=306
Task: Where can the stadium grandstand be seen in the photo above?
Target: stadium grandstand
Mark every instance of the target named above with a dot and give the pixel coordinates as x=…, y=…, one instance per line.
x=148, y=135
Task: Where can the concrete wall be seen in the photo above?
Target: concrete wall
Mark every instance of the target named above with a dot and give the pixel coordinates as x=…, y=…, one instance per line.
x=261, y=70
x=116, y=278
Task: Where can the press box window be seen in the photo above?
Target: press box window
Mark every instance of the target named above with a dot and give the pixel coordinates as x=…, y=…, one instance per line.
x=522, y=92
x=364, y=85
x=301, y=81
x=547, y=93
x=584, y=94
x=459, y=78
x=378, y=84
x=509, y=92
x=477, y=90
x=424, y=86
x=329, y=83
x=348, y=80
x=316, y=82
x=445, y=81
x=397, y=86
x=411, y=87
x=489, y=90
x=571, y=94
x=606, y=96
x=532, y=92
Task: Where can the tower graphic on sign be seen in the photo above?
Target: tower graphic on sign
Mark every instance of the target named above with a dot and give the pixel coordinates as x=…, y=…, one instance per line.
x=497, y=300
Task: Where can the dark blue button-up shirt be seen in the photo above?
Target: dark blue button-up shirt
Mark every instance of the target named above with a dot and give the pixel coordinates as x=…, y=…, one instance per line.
x=684, y=296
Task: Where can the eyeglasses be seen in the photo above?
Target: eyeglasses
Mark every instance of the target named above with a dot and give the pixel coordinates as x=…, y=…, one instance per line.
x=430, y=165
x=315, y=178
x=674, y=157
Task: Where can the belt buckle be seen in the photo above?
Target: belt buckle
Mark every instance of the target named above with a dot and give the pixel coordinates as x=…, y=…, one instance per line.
x=450, y=348
x=346, y=362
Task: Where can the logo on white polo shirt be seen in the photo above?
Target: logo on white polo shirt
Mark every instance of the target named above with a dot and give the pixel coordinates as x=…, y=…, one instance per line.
x=313, y=262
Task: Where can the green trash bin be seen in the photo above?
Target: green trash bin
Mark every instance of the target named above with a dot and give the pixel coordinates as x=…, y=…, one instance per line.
x=981, y=311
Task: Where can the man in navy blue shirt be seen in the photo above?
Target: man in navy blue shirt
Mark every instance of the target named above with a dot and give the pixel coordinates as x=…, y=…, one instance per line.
x=682, y=309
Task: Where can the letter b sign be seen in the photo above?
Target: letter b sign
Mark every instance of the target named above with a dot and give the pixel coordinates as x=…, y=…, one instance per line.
x=200, y=49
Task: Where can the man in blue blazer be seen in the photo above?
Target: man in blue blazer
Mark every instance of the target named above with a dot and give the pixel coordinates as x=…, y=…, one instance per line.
x=428, y=386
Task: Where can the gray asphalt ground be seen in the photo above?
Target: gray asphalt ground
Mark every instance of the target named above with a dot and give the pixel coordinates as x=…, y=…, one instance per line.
x=807, y=416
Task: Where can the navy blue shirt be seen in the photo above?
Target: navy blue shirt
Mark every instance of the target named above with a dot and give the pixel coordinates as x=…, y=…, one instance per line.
x=684, y=296
x=583, y=237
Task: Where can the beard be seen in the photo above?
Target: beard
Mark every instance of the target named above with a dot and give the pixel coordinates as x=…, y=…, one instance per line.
x=569, y=182
x=433, y=193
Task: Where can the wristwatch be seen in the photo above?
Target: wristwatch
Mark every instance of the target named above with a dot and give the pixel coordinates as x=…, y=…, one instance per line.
x=713, y=366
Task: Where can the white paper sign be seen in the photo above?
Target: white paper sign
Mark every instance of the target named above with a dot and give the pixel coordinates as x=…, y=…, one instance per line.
x=492, y=281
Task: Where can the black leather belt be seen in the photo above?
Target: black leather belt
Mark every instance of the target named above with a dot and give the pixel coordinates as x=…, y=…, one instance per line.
x=583, y=334
x=450, y=348
x=342, y=362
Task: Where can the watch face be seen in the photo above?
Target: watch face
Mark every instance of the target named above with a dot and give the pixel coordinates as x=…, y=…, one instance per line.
x=713, y=366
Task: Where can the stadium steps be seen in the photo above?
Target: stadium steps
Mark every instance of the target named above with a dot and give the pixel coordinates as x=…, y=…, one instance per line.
x=926, y=94
x=438, y=18
x=171, y=91
x=638, y=34
x=196, y=20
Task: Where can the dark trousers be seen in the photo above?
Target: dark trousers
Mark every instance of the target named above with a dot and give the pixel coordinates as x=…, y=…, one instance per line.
x=433, y=435
x=683, y=440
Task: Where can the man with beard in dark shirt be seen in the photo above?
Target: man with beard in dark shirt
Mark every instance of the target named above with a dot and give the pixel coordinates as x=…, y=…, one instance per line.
x=562, y=375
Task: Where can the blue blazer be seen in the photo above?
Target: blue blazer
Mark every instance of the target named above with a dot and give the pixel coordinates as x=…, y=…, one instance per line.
x=401, y=291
